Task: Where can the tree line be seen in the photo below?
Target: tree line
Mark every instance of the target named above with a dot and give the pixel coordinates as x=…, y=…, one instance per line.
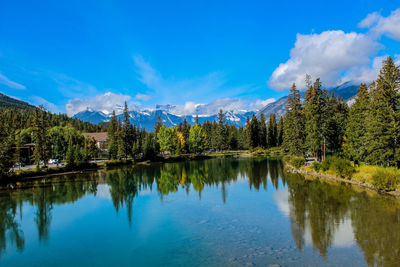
x=53, y=136
x=368, y=130
x=126, y=140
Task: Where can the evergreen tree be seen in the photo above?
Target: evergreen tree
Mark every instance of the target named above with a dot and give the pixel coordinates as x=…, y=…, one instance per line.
x=119, y=140
x=41, y=152
x=112, y=146
x=253, y=132
x=221, y=135
x=233, y=137
x=272, y=131
x=158, y=125
x=356, y=143
x=263, y=132
x=334, y=125
x=279, y=137
x=294, y=123
x=383, y=120
x=6, y=152
x=315, y=114
x=127, y=134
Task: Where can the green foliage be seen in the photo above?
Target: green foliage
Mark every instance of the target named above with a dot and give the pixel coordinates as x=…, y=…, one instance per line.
x=253, y=132
x=165, y=138
x=386, y=179
x=293, y=124
x=355, y=146
x=272, y=131
x=70, y=156
x=341, y=167
x=295, y=161
x=383, y=124
x=6, y=154
x=316, y=166
x=197, y=139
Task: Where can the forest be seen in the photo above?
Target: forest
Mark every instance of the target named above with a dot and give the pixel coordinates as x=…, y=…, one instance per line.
x=318, y=125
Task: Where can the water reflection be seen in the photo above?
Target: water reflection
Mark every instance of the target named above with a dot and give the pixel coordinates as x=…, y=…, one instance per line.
x=322, y=215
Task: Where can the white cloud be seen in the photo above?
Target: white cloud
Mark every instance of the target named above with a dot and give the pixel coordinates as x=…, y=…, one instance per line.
x=9, y=83
x=105, y=103
x=262, y=103
x=379, y=25
x=143, y=97
x=326, y=55
x=37, y=100
x=226, y=104
x=366, y=73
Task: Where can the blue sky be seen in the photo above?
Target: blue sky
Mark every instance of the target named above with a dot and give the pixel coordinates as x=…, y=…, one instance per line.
x=70, y=54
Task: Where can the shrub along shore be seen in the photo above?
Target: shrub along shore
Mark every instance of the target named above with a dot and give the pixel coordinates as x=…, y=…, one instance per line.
x=381, y=179
x=23, y=175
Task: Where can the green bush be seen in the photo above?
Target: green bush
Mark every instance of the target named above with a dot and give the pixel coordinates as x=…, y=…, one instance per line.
x=316, y=166
x=341, y=167
x=295, y=161
x=298, y=162
x=326, y=164
x=385, y=179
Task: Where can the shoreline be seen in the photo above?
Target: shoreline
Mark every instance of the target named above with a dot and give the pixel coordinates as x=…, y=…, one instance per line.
x=54, y=172
x=350, y=181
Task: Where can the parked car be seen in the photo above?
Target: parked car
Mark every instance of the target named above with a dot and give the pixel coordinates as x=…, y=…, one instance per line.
x=19, y=164
x=54, y=161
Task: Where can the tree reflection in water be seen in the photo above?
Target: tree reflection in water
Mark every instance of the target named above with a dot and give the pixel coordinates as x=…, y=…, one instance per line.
x=314, y=206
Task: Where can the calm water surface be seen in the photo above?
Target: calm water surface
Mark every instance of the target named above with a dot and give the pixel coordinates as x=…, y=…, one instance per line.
x=219, y=212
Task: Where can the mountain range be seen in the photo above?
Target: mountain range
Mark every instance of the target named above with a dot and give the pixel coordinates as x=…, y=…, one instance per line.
x=173, y=115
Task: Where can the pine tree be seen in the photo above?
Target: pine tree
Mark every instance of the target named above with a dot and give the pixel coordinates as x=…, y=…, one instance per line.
x=253, y=132
x=356, y=143
x=112, y=147
x=119, y=140
x=279, y=137
x=221, y=132
x=294, y=124
x=263, y=132
x=383, y=123
x=127, y=134
x=334, y=124
x=272, y=131
x=315, y=114
x=158, y=125
x=41, y=152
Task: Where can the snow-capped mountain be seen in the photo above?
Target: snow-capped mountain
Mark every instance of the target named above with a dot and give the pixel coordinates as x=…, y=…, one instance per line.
x=234, y=110
x=146, y=118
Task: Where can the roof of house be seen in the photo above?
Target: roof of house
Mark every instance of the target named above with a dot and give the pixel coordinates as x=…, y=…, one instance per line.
x=97, y=136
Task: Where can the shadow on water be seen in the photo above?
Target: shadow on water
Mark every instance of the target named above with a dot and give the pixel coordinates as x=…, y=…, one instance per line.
x=315, y=206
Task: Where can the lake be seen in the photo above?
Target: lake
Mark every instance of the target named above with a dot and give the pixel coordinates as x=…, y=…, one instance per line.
x=216, y=212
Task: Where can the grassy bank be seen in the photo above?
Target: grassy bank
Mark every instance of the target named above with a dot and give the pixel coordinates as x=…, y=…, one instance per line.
x=383, y=179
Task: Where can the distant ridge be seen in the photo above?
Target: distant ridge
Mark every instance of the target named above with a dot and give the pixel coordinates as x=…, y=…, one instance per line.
x=9, y=102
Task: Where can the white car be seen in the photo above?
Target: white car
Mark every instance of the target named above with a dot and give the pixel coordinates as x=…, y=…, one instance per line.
x=54, y=161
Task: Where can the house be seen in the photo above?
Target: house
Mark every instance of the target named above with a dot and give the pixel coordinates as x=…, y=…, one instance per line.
x=100, y=138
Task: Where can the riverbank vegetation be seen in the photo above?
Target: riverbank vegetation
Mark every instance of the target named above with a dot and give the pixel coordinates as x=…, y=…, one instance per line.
x=345, y=141
x=40, y=135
